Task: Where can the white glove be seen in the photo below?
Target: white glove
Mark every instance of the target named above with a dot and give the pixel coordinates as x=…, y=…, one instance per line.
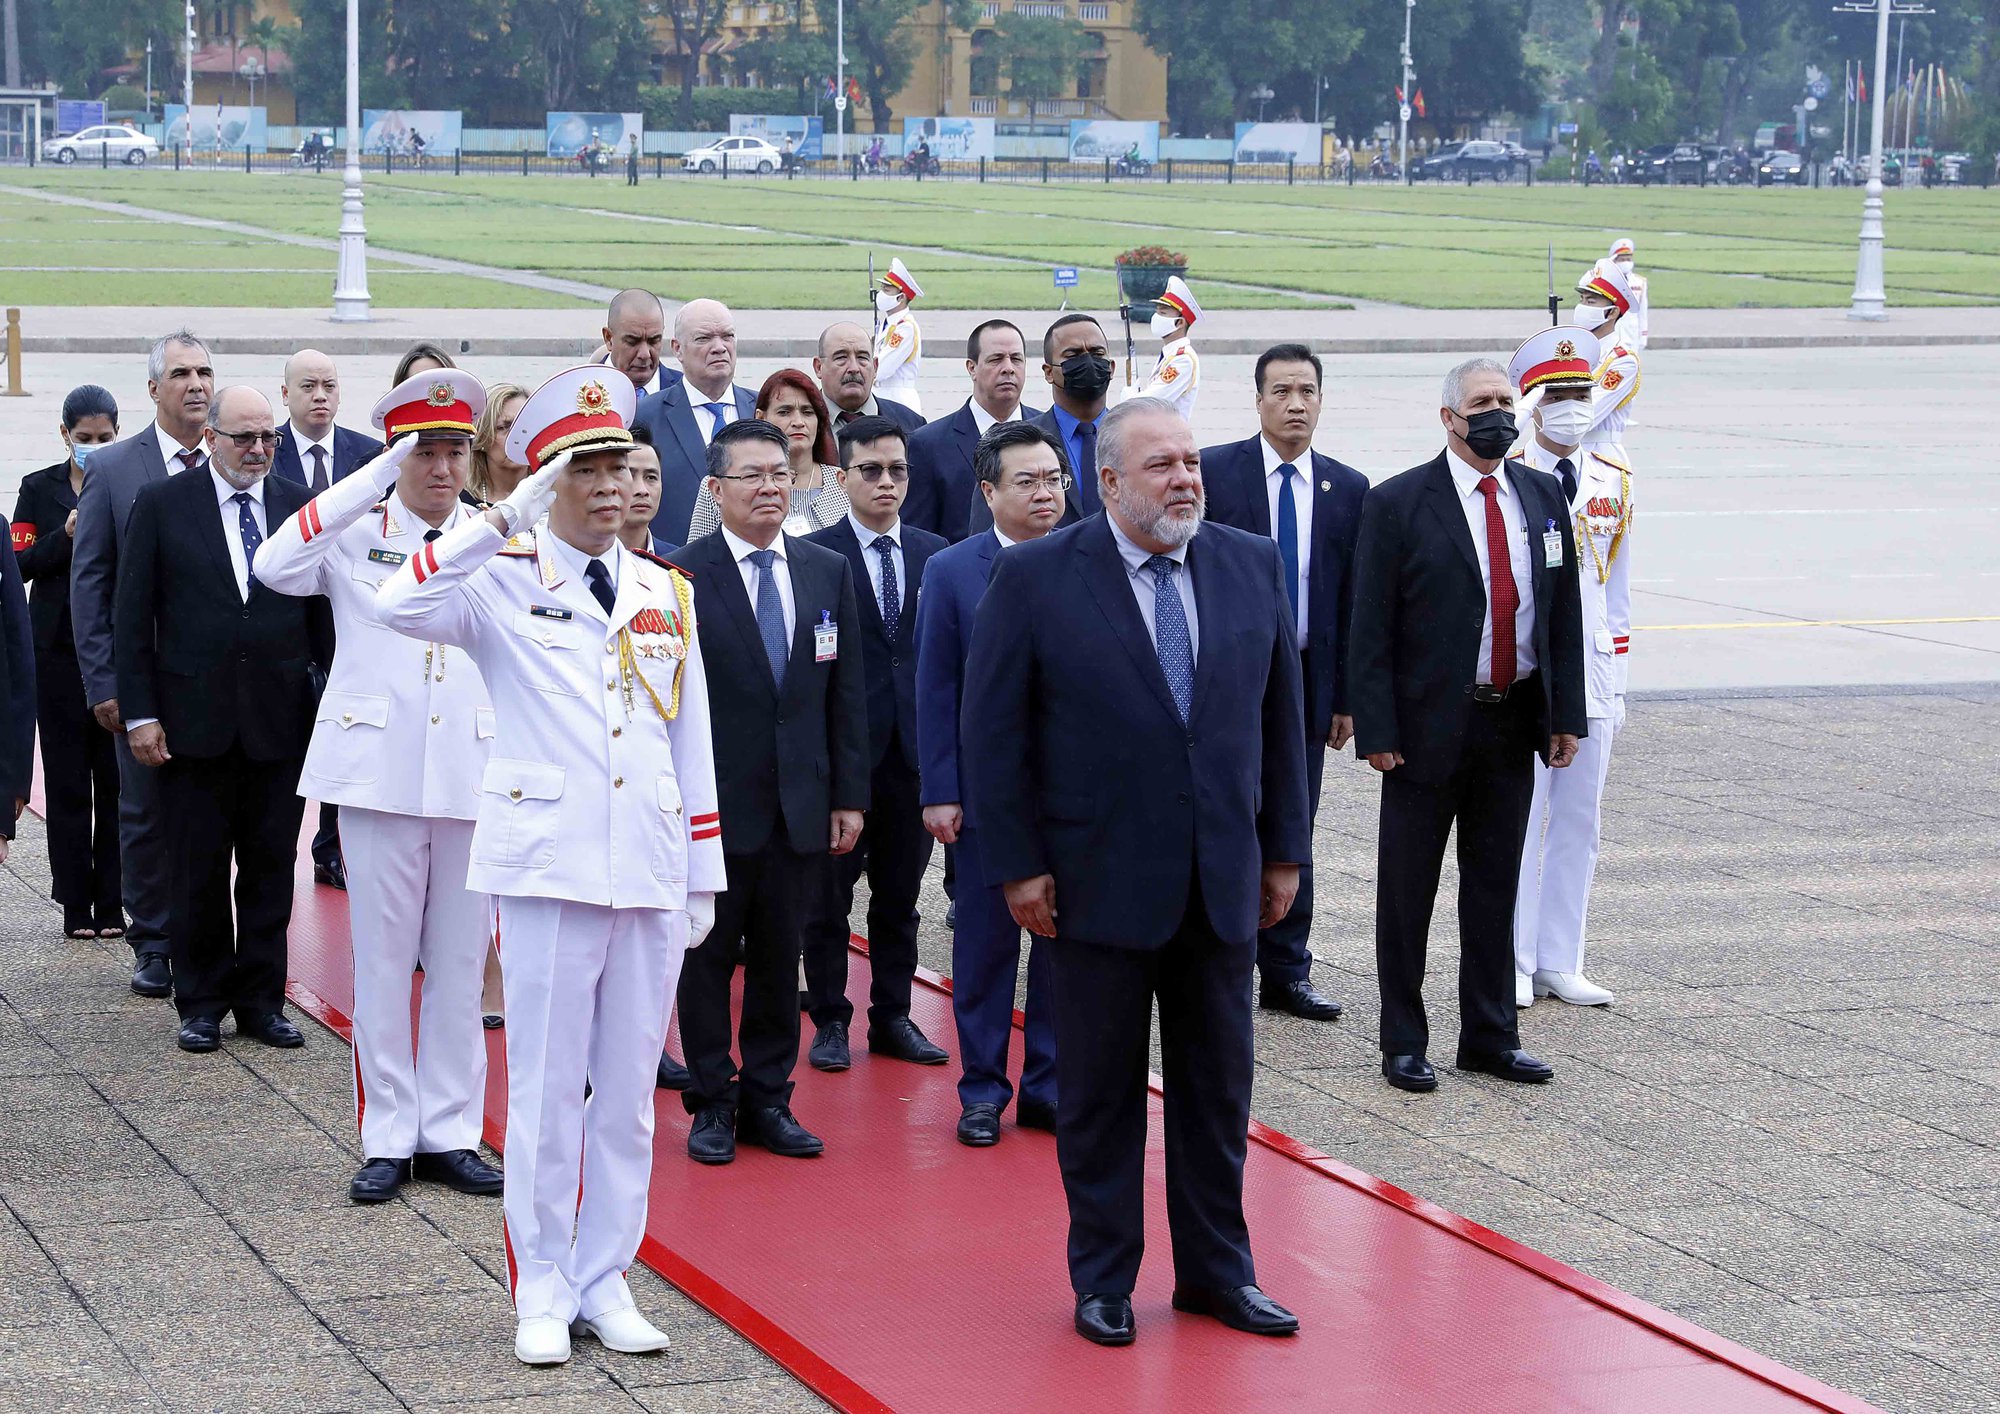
x=531, y=500
x=386, y=465
x=701, y=917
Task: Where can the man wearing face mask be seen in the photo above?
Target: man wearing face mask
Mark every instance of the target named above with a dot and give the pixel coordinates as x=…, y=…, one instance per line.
x=1560, y=855
x=1076, y=361
x=1176, y=379
x=1635, y=328
x=1604, y=297
x=899, y=344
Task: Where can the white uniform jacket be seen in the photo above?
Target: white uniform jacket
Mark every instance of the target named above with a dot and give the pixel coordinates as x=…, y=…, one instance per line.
x=1611, y=401
x=1176, y=378
x=1602, y=516
x=1635, y=328
x=404, y=726
x=601, y=788
x=899, y=348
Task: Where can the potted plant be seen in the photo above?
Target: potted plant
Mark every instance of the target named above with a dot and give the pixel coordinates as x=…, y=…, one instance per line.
x=1142, y=276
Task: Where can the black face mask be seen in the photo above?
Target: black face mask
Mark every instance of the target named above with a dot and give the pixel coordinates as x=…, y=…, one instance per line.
x=1491, y=433
x=1086, y=376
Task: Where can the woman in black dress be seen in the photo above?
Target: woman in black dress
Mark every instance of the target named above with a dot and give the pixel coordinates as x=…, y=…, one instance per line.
x=79, y=769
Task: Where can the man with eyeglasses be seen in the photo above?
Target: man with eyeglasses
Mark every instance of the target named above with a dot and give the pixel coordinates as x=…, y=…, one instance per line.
x=1024, y=479
x=888, y=557
x=215, y=684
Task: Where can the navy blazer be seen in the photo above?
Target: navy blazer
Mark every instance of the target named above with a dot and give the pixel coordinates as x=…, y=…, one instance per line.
x=669, y=418
x=889, y=664
x=17, y=692
x=1080, y=502
x=103, y=511
x=944, y=492
x=954, y=583
x=1233, y=475
x=1078, y=764
x=350, y=450
x=902, y=414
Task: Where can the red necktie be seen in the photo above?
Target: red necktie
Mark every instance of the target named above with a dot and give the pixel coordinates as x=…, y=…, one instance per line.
x=1505, y=595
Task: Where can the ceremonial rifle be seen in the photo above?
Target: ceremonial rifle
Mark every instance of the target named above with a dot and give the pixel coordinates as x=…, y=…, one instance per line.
x=874, y=310
x=1125, y=310
x=1555, y=314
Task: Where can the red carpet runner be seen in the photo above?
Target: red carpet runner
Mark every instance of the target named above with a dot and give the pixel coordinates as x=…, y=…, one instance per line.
x=905, y=1272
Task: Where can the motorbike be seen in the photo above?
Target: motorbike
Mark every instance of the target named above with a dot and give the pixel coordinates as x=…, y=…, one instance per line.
x=1130, y=166
x=922, y=164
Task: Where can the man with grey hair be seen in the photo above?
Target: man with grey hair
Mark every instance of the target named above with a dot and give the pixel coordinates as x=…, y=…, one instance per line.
x=845, y=369
x=1145, y=806
x=1465, y=660
x=681, y=420
x=179, y=380
x=214, y=673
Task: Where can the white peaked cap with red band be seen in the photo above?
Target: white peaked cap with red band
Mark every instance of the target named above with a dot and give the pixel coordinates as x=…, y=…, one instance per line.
x=444, y=400
x=580, y=409
x=1180, y=300
x=898, y=279
x=1562, y=355
x=1622, y=246
x=1608, y=278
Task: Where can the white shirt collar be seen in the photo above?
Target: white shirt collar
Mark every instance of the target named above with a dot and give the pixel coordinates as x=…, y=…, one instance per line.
x=1273, y=460
x=741, y=549
x=1134, y=554
x=867, y=536
x=303, y=442
x=578, y=562
x=1004, y=539
x=1467, y=476
x=224, y=492
x=984, y=420
x=170, y=447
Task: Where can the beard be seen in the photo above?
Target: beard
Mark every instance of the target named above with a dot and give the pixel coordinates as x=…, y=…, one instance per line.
x=1156, y=519
x=241, y=480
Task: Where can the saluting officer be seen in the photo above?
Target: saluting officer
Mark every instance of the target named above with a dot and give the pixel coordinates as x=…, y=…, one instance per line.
x=899, y=344
x=1605, y=297
x=598, y=831
x=1176, y=379
x=401, y=739
x=1635, y=328
x=1552, y=901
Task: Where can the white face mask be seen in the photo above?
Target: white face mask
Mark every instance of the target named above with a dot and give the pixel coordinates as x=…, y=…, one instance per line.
x=1564, y=421
x=1591, y=316
x=1163, y=325
x=885, y=301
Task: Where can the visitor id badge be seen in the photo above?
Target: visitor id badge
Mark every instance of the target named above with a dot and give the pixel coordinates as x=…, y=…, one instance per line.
x=1552, y=547
x=826, y=639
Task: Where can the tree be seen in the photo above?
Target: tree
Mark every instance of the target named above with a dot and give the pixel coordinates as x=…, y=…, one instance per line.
x=695, y=23
x=73, y=42
x=318, y=47
x=1219, y=50
x=1041, y=57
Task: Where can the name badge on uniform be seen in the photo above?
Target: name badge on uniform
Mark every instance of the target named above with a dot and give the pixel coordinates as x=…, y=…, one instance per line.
x=826, y=638
x=386, y=557
x=1552, y=547
x=550, y=611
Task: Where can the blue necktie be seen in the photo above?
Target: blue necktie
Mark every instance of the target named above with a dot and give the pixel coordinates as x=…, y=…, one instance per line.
x=1086, y=471
x=252, y=537
x=1288, y=536
x=719, y=412
x=1170, y=634
x=770, y=615
x=600, y=585
x=892, y=599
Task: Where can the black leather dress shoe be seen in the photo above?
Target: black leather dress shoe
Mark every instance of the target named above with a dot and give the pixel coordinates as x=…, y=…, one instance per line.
x=1241, y=1308
x=1104, y=1319
x=461, y=1169
x=672, y=1074
x=330, y=872
x=1298, y=998
x=901, y=1040
x=772, y=1127
x=153, y=975
x=1508, y=1065
x=1412, y=1073
x=979, y=1125
x=712, y=1140
x=272, y=1029
x=951, y=916
x=379, y=1180
x=1031, y=1115
x=199, y=1034
x=829, y=1048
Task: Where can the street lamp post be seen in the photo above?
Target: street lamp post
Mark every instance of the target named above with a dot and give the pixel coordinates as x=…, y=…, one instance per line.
x=840, y=82
x=350, y=281
x=1409, y=87
x=1870, y=299
x=187, y=84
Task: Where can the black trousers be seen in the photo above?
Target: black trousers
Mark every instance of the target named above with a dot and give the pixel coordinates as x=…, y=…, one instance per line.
x=1104, y=1013
x=895, y=850
x=80, y=780
x=764, y=907
x=224, y=809
x=1487, y=795
x=1284, y=953
x=145, y=859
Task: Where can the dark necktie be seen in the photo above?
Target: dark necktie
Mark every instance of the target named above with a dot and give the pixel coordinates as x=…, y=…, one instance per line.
x=1170, y=633
x=1505, y=594
x=600, y=585
x=1086, y=471
x=196, y=460
x=892, y=598
x=318, y=483
x=843, y=418
x=770, y=614
x=1566, y=469
x=1288, y=536
x=252, y=537
x=432, y=534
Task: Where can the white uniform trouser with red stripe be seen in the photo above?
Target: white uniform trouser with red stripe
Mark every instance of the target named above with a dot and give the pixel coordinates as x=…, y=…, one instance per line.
x=1552, y=903
x=408, y=904
x=588, y=989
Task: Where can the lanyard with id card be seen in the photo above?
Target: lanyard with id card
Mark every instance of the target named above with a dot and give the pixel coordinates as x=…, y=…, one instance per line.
x=1552, y=547
x=826, y=638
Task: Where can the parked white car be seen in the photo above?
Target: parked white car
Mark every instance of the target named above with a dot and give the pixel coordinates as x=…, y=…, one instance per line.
x=743, y=154
x=106, y=140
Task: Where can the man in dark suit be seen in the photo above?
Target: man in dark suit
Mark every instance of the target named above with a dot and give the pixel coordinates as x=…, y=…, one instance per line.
x=215, y=680
x=1077, y=363
x=845, y=368
x=1275, y=484
x=1140, y=789
x=886, y=560
x=780, y=635
x=180, y=381
x=1465, y=659
x=635, y=327
x=637, y=532
x=17, y=698
x=680, y=421
x=1022, y=476
x=942, y=484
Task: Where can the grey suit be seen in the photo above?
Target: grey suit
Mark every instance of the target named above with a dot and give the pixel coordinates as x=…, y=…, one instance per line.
x=103, y=511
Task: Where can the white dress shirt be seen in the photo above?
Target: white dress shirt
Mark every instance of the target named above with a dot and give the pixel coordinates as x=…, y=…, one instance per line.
x=873, y=559
x=1004, y=538
x=1466, y=478
x=1143, y=588
x=232, y=524
x=1302, y=502
x=577, y=562
x=985, y=421
x=740, y=550
x=305, y=445
x=170, y=448
x=704, y=420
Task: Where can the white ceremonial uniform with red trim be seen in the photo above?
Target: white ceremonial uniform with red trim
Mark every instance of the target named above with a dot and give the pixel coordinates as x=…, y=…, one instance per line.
x=1559, y=859
x=1612, y=401
x=899, y=349
x=1176, y=378
x=400, y=744
x=597, y=819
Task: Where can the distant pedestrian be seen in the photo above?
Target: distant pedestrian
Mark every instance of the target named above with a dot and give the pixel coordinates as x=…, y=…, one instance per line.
x=632, y=162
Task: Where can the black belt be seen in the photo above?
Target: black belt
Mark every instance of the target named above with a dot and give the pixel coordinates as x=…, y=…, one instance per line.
x=1486, y=692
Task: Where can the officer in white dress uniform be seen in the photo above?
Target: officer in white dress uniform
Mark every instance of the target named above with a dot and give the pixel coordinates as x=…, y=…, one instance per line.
x=899, y=344
x=1552, y=902
x=1635, y=328
x=1176, y=378
x=598, y=833
x=403, y=731
x=1604, y=297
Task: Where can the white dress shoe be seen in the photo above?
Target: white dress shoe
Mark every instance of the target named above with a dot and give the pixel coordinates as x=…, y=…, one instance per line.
x=1571, y=987
x=1524, y=991
x=624, y=1330
x=542, y=1340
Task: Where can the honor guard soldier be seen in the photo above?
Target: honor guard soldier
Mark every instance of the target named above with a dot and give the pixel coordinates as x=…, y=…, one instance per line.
x=1605, y=298
x=1552, y=901
x=1176, y=379
x=1635, y=328
x=598, y=833
x=899, y=344
x=401, y=740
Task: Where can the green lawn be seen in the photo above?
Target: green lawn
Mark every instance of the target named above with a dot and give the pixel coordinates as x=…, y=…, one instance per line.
x=771, y=244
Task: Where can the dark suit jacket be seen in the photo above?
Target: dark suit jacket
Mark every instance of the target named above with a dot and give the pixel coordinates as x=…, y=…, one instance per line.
x=117, y=475
x=670, y=419
x=44, y=549
x=17, y=692
x=782, y=759
x=350, y=450
x=943, y=490
x=1078, y=765
x=214, y=669
x=1419, y=603
x=903, y=415
x=954, y=583
x=891, y=663
x=1233, y=477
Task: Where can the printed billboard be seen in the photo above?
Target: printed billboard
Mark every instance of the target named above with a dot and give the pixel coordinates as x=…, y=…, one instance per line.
x=390, y=130
x=1278, y=142
x=1094, y=139
x=951, y=139
x=217, y=127
x=570, y=133
x=807, y=132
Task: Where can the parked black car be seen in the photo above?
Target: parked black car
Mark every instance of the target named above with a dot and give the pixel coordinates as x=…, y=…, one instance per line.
x=1781, y=169
x=1653, y=165
x=1474, y=159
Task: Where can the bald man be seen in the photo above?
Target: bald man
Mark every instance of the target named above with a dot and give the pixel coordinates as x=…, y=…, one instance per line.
x=635, y=330
x=680, y=420
x=845, y=368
